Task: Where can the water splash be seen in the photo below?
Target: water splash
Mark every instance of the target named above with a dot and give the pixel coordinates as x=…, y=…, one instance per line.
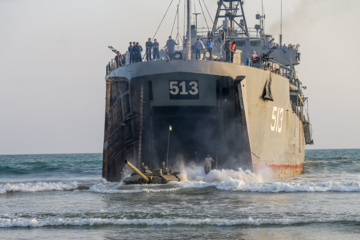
x=197, y=173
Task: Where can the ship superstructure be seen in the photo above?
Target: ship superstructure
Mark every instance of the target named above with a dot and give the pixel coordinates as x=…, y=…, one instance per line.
x=249, y=113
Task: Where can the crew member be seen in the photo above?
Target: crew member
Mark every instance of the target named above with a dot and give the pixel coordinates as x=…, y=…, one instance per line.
x=156, y=49
x=210, y=45
x=130, y=49
x=134, y=44
x=208, y=163
x=170, y=44
x=233, y=50
x=254, y=57
x=137, y=52
x=227, y=47
x=118, y=59
x=198, y=47
x=149, y=46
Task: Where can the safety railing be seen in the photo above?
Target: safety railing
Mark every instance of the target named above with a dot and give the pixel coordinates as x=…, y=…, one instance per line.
x=279, y=69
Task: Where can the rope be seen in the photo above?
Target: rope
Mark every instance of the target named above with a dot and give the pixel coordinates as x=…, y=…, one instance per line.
x=163, y=18
x=172, y=29
x=176, y=17
x=208, y=11
x=203, y=14
x=173, y=25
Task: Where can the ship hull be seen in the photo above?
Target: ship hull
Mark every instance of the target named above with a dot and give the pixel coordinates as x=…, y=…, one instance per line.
x=215, y=108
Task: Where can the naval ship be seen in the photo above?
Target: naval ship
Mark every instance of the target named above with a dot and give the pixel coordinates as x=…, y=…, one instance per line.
x=248, y=113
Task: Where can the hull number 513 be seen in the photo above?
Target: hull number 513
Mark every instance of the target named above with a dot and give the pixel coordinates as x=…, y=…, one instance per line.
x=184, y=89
x=277, y=119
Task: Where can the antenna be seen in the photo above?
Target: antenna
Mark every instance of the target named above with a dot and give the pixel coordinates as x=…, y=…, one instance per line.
x=281, y=25
x=196, y=15
x=262, y=10
x=178, y=36
x=184, y=33
x=188, y=45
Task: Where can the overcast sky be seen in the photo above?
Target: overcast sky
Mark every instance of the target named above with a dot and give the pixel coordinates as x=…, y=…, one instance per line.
x=53, y=55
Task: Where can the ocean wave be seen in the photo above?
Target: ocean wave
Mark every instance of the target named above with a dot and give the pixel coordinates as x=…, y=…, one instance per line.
x=223, y=180
x=58, y=221
x=107, y=187
x=37, y=187
x=18, y=165
x=231, y=180
x=275, y=187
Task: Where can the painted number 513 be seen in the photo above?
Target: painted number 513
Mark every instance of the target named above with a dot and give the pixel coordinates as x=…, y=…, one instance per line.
x=184, y=89
x=277, y=119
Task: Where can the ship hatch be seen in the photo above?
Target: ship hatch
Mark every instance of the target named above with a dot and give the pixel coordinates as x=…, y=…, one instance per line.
x=194, y=129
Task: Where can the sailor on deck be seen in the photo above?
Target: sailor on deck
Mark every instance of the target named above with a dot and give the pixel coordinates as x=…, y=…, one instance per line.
x=208, y=163
x=198, y=46
x=227, y=47
x=170, y=44
x=137, y=52
x=156, y=49
x=118, y=59
x=233, y=50
x=130, y=49
x=254, y=57
x=149, y=46
x=210, y=46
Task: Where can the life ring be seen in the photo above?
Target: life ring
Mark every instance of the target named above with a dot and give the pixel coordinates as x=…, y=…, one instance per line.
x=177, y=56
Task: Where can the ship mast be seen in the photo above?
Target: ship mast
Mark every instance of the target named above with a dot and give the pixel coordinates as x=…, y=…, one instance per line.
x=281, y=25
x=188, y=43
x=231, y=14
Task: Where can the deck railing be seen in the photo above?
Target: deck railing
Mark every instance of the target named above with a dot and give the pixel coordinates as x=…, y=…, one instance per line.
x=218, y=56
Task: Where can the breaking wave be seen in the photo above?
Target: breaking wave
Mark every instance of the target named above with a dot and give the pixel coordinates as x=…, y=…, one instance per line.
x=195, y=177
x=59, y=221
x=37, y=187
x=247, y=181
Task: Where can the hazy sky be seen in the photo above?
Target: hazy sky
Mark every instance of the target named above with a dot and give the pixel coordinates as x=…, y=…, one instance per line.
x=53, y=55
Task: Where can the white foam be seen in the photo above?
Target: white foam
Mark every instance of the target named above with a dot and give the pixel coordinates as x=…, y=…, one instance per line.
x=231, y=180
x=108, y=187
x=197, y=173
x=54, y=221
x=37, y=187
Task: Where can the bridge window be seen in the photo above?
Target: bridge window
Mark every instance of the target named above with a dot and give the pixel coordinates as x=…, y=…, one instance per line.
x=255, y=43
x=241, y=43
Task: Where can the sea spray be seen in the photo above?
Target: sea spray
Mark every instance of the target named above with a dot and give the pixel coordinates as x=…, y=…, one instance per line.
x=197, y=173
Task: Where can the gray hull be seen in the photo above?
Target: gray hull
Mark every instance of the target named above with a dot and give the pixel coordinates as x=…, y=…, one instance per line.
x=215, y=108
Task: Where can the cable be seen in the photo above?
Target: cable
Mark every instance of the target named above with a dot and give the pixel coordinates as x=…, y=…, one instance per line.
x=176, y=17
x=203, y=14
x=163, y=18
x=173, y=24
x=208, y=11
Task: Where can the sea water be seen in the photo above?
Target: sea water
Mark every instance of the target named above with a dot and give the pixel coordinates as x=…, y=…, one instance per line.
x=63, y=196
